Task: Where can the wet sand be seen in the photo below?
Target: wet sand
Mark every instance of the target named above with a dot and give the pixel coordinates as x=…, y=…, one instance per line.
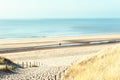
x=30, y=44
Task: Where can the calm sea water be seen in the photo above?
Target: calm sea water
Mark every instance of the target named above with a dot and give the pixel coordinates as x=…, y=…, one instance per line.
x=57, y=27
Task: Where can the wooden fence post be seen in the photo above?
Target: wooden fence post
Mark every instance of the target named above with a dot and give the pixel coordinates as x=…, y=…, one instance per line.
x=60, y=75
x=55, y=77
x=23, y=64
x=26, y=64
x=30, y=64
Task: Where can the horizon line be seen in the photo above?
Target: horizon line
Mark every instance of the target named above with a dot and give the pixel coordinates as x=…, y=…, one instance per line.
x=50, y=18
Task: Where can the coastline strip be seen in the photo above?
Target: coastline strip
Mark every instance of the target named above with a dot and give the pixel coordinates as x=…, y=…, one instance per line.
x=60, y=45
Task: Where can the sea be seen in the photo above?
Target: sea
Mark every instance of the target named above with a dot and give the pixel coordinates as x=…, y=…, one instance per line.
x=57, y=27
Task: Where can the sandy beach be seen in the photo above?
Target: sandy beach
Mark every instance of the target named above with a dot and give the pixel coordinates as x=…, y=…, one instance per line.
x=25, y=42
x=55, y=60
x=42, y=39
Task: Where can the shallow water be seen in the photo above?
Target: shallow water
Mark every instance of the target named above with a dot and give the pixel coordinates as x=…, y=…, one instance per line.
x=57, y=27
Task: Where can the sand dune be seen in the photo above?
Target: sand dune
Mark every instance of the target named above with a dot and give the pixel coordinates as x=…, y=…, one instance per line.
x=105, y=65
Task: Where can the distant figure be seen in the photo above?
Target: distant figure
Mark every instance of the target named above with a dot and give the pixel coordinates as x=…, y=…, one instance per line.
x=59, y=44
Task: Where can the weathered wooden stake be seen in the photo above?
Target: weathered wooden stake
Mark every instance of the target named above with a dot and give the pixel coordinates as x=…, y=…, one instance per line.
x=55, y=77
x=26, y=64
x=23, y=64
x=30, y=64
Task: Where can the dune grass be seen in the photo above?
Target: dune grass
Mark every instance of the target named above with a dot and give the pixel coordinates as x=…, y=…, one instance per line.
x=105, y=65
x=6, y=64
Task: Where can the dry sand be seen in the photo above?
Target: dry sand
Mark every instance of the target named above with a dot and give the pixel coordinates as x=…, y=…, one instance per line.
x=58, y=58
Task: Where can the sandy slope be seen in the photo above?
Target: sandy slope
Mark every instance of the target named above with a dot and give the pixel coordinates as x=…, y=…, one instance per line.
x=102, y=66
x=52, y=61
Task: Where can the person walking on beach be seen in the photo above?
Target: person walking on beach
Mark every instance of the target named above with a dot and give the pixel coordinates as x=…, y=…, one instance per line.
x=59, y=44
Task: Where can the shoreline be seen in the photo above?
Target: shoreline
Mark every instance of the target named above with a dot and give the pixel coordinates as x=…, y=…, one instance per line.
x=56, y=38
x=60, y=36
x=31, y=44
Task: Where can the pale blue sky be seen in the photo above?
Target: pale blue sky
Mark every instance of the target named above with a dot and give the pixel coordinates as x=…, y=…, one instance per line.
x=25, y=9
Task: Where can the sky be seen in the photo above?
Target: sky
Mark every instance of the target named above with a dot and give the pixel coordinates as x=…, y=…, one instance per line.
x=34, y=9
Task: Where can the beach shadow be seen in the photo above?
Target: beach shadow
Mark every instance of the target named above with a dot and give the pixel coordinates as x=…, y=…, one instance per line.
x=6, y=73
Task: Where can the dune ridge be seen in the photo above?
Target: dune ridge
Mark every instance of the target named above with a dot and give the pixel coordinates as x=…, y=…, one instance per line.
x=104, y=65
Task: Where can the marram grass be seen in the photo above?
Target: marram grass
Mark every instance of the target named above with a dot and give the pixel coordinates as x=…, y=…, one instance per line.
x=105, y=65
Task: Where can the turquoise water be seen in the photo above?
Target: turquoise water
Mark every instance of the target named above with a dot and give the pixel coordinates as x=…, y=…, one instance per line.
x=57, y=27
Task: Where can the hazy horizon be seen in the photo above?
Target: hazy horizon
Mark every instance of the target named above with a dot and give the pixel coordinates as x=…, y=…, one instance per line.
x=56, y=18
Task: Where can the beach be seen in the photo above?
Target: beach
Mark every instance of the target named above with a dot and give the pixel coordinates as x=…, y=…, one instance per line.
x=43, y=39
x=26, y=42
x=52, y=61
